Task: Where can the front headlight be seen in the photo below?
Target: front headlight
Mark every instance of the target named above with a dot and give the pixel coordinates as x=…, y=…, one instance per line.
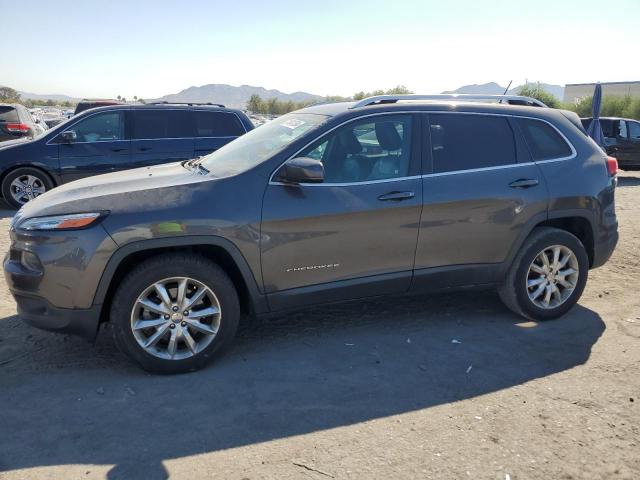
x=73, y=221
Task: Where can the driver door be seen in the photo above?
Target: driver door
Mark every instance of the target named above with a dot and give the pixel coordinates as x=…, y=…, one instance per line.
x=101, y=146
x=354, y=235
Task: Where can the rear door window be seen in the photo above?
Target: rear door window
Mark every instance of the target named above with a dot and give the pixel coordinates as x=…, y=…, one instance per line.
x=217, y=124
x=155, y=124
x=8, y=114
x=620, y=129
x=544, y=141
x=634, y=130
x=466, y=142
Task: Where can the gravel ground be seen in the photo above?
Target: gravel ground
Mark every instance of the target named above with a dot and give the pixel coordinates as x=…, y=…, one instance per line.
x=375, y=389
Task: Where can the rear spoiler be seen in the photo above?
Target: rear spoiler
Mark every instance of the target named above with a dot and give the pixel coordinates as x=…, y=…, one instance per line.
x=574, y=118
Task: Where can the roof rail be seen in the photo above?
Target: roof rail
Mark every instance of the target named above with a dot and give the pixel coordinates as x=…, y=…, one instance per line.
x=508, y=99
x=186, y=103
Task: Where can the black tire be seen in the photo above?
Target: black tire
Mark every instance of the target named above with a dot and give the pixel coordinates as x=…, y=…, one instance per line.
x=168, y=266
x=513, y=291
x=42, y=177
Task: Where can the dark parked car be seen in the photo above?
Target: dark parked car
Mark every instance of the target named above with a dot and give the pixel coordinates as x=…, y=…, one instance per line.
x=330, y=203
x=16, y=122
x=113, y=138
x=622, y=140
x=88, y=104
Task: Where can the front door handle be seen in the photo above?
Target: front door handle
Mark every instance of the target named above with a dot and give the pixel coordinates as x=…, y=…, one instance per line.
x=144, y=149
x=118, y=149
x=524, y=183
x=396, y=196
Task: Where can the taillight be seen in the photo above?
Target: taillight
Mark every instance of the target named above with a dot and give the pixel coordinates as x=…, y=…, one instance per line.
x=17, y=127
x=612, y=166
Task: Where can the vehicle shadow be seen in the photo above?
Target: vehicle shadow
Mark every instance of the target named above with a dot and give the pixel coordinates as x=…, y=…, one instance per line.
x=628, y=181
x=65, y=402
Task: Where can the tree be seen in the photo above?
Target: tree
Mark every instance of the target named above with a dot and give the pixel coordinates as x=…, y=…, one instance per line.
x=255, y=104
x=119, y=97
x=9, y=95
x=272, y=106
x=539, y=93
x=135, y=98
x=624, y=106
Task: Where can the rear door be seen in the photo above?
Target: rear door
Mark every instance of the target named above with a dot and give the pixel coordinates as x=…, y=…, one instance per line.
x=101, y=146
x=616, y=136
x=481, y=190
x=634, y=143
x=214, y=129
x=161, y=135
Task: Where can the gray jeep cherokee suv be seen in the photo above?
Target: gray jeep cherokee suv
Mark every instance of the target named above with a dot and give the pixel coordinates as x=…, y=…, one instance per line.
x=329, y=203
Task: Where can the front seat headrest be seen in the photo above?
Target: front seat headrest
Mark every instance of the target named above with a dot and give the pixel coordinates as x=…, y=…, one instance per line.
x=348, y=143
x=388, y=136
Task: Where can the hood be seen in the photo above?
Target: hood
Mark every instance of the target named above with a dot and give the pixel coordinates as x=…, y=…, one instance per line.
x=130, y=190
x=12, y=143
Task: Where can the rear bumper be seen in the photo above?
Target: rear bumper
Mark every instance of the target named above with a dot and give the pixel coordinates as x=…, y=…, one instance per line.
x=39, y=313
x=604, y=249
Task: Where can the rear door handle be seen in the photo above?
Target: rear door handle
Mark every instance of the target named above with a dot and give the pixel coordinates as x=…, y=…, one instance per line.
x=144, y=149
x=118, y=149
x=524, y=183
x=396, y=196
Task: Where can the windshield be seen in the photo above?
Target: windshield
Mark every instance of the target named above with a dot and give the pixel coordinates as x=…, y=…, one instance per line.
x=260, y=144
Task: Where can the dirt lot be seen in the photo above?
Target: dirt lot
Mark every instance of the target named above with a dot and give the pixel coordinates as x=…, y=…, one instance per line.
x=360, y=390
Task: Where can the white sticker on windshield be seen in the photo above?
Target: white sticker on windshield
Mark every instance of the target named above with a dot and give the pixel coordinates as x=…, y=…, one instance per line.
x=293, y=123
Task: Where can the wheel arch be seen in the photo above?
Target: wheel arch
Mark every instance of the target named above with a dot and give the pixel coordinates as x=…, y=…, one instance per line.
x=577, y=222
x=217, y=249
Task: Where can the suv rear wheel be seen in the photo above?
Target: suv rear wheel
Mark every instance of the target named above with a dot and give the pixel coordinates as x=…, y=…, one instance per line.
x=175, y=313
x=548, y=276
x=23, y=185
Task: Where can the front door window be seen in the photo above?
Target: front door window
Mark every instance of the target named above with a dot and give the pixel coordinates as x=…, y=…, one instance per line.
x=364, y=151
x=102, y=127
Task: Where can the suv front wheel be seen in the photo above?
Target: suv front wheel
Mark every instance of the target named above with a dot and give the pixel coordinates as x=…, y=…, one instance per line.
x=547, y=276
x=23, y=185
x=175, y=313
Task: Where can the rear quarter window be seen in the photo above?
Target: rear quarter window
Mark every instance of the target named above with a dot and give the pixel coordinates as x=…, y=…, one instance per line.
x=544, y=141
x=217, y=124
x=466, y=142
x=9, y=114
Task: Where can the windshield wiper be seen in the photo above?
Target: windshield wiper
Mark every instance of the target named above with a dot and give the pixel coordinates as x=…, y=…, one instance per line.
x=189, y=164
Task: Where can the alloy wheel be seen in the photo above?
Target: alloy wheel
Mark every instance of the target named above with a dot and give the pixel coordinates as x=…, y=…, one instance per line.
x=176, y=318
x=25, y=188
x=552, y=276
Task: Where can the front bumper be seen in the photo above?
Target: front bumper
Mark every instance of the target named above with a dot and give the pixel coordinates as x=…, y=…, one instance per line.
x=39, y=313
x=56, y=289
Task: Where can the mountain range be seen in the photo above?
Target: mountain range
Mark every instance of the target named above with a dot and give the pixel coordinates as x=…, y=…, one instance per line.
x=237, y=97
x=231, y=96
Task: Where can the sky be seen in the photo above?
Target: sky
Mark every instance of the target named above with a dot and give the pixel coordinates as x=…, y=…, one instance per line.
x=151, y=48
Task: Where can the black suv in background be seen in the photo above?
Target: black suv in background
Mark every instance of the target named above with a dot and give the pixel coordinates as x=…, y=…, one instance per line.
x=329, y=203
x=113, y=138
x=621, y=138
x=16, y=122
x=87, y=104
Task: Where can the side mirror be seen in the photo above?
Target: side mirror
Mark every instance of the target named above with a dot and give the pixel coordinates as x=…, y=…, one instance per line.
x=301, y=170
x=68, y=136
